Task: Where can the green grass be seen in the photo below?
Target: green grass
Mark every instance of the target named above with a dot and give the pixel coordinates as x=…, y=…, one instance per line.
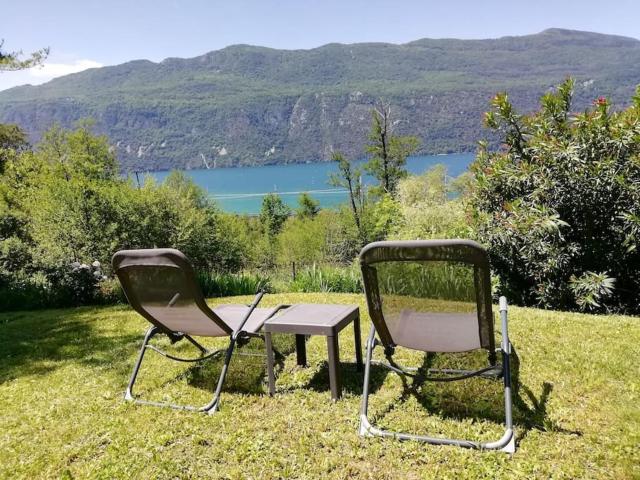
x=326, y=279
x=63, y=373
x=215, y=284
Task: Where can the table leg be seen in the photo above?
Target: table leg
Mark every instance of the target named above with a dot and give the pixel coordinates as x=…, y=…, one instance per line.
x=334, y=366
x=270, y=363
x=358, y=338
x=301, y=350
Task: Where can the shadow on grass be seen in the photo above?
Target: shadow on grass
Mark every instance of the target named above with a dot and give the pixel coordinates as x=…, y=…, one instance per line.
x=37, y=343
x=477, y=398
x=247, y=369
x=351, y=378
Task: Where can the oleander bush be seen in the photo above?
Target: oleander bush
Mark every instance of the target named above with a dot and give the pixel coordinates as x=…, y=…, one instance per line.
x=559, y=206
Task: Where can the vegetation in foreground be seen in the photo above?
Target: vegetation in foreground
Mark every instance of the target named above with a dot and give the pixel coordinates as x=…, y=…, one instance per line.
x=558, y=209
x=63, y=374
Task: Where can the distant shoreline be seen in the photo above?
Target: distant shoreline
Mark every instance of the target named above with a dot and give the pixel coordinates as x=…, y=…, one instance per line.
x=284, y=164
x=241, y=189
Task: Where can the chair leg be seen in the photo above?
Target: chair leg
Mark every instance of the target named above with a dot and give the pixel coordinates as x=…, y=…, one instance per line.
x=196, y=344
x=270, y=363
x=128, y=395
x=210, y=407
x=213, y=406
x=364, y=421
x=506, y=443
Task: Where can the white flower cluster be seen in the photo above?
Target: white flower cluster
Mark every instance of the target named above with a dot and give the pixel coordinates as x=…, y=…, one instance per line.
x=95, y=267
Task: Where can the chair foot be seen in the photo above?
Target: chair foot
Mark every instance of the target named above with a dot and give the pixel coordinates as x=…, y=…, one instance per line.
x=128, y=396
x=365, y=426
x=510, y=447
x=213, y=409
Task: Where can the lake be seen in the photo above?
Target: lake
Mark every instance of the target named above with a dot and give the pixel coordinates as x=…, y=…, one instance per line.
x=240, y=190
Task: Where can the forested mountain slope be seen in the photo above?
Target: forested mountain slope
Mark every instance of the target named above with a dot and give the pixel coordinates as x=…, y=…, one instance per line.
x=246, y=105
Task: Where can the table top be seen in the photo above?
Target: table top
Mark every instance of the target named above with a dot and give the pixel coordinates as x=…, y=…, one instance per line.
x=313, y=319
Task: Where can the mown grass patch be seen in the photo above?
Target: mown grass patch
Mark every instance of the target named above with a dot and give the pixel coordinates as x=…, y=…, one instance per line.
x=63, y=373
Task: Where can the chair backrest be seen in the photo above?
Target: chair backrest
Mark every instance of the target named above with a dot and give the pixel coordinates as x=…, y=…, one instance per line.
x=161, y=285
x=410, y=286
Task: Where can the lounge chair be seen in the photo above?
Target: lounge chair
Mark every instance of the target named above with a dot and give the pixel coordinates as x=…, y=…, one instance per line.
x=395, y=292
x=160, y=284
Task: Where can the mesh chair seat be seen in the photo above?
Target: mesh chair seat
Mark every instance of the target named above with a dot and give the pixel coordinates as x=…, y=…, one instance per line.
x=434, y=332
x=192, y=321
x=234, y=314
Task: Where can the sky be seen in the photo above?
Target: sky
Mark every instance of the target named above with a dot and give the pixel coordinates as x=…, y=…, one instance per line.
x=92, y=33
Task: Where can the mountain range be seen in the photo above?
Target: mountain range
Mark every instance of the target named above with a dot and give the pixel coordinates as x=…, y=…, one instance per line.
x=248, y=105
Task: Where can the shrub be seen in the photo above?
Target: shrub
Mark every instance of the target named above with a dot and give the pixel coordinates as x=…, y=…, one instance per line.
x=559, y=206
x=23, y=292
x=328, y=279
x=427, y=209
x=66, y=285
x=65, y=202
x=305, y=241
x=215, y=284
x=75, y=284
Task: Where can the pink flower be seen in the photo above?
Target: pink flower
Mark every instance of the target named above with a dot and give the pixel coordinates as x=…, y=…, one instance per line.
x=600, y=102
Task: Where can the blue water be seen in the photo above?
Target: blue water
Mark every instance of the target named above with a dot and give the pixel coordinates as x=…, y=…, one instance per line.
x=241, y=190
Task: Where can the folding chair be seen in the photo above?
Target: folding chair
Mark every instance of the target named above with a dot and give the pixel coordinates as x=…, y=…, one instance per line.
x=161, y=285
x=396, y=277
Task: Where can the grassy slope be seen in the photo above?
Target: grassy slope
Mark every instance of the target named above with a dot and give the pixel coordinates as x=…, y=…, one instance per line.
x=63, y=372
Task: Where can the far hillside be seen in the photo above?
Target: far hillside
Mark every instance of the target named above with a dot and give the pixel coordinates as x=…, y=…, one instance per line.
x=246, y=105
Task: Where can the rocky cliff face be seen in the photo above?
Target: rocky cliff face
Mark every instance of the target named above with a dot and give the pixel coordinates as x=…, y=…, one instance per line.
x=248, y=105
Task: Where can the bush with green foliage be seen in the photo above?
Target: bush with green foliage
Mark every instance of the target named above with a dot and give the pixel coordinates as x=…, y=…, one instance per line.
x=328, y=279
x=273, y=213
x=216, y=284
x=76, y=284
x=430, y=206
x=308, y=207
x=559, y=206
x=13, y=140
x=303, y=240
x=66, y=204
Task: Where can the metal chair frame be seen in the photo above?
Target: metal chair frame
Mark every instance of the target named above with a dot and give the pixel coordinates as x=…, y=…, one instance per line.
x=237, y=338
x=506, y=443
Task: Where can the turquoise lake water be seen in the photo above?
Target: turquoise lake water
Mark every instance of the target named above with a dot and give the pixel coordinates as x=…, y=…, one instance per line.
x=241, y=190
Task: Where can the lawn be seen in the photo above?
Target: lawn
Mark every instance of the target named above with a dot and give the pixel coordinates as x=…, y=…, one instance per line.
x=63, y=374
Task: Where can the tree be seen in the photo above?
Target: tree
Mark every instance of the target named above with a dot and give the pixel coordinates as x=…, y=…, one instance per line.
x=10, y=61
x=273, y=214
x=13, y=140
x=78, y=152
x=389, y=152
x=308, y=206
x=303, y=240
x=559, y=206
x=350, y=179
x=427, y=211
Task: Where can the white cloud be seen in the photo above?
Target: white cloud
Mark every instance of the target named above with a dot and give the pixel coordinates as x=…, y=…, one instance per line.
x=52, y=70
x=44, y=73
